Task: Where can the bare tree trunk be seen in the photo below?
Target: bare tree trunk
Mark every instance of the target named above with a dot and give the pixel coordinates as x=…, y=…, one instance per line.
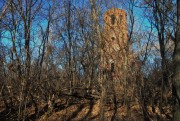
x=101, y=78
x=102, y=101
x=176, y=77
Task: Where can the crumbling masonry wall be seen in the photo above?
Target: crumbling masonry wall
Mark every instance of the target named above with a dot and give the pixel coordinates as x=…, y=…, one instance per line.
x=115, y=50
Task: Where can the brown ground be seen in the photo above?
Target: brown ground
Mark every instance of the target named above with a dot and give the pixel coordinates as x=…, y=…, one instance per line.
x=81, y=109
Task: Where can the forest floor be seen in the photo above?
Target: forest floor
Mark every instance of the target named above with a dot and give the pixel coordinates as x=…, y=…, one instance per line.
x=81, y=109
x=88, y=110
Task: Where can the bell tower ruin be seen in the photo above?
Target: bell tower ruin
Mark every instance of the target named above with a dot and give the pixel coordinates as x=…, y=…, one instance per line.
x=115, y=37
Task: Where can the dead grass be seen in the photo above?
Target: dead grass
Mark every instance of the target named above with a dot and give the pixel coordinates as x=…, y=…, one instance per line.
x=88, y=110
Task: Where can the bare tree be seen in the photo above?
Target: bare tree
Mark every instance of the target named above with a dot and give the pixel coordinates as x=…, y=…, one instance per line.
x=176, y=76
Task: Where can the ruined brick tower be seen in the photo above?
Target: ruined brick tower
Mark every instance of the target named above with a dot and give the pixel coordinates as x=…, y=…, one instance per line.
x=115, y=37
